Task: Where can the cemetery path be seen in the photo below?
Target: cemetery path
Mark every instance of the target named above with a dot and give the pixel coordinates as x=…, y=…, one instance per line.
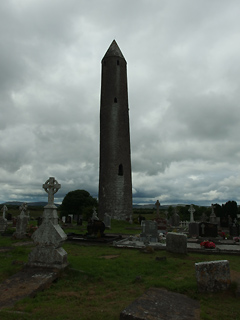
x=25, y=283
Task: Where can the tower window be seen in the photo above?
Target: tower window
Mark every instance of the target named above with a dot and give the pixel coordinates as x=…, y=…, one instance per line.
x=118, y=62
x=120, y=170
x=115, y=100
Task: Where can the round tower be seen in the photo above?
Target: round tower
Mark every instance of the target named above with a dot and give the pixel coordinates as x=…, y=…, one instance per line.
x=115, y=176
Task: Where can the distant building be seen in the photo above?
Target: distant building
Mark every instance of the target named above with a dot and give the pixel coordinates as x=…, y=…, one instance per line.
x=115, y=176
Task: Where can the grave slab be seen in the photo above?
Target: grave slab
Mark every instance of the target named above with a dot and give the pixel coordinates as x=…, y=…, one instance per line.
x=160, y=304
x=25, y=283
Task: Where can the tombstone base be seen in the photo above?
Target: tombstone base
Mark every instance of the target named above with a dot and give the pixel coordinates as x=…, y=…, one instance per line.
x=48, y=257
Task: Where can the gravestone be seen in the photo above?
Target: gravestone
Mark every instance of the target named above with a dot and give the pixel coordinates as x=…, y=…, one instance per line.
x=224, y=222
x=22, y=222
x=234, y=229
x=175, y=219
x=157, y=204
x=162, y=224
x=213, y=276
x=79, y=220
x=68, y=220
x=149, y=231
x=107, y=221
x=203, y=217
x=207, y=229
x=191, y=210
x=176, y=242
x=94, y=215
x=193, y=229
x=3, y=220
x=213, y=218
x=49, y=237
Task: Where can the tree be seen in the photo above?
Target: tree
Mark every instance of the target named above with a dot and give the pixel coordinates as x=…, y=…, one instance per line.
x=230, y=208
x=78, y=202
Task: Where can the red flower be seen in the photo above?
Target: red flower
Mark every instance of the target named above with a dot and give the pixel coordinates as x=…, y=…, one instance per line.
x=208, y=244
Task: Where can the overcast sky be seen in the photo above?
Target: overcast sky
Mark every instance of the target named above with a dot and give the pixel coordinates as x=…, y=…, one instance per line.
x=183, y=81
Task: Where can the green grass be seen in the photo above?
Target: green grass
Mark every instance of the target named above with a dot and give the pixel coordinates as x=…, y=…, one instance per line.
x=102, y=280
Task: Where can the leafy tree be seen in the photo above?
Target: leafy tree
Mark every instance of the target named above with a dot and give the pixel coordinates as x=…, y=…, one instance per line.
x=78, y=202
x=230, y=208
x=218, y=210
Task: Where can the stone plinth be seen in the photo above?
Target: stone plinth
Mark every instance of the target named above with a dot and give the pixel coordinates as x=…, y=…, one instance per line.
x=176, y=242
x=213, y=276
x=49, y=237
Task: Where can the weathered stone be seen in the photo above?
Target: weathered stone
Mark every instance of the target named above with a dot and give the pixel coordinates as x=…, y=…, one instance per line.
x=160, y=304
x=176, y=242
x=115, y=177
x=49, y=236
x=22, y=222
x=21, y=227
x=213, y=276
x=3, y=224
x=149, y=231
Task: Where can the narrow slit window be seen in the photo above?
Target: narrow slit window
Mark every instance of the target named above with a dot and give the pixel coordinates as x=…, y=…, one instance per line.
x=118, y=62
x=115, y=100
x=120, y=170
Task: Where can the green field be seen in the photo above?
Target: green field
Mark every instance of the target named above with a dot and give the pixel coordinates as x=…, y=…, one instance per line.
x=102, y=280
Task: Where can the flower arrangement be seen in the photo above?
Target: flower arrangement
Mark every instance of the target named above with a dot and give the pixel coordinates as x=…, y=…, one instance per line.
x=222, y=234
x=208, y=244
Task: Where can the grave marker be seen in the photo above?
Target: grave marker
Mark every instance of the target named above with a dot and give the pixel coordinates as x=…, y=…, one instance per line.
x=49, y=236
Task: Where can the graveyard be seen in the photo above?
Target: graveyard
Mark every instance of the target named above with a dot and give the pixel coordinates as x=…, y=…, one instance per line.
x=105, y=279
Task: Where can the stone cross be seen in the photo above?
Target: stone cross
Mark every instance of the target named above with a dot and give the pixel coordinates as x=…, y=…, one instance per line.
x=191, y=210
x=51, y=186
x=157, y=204
x=4, y=209
x=23, y=207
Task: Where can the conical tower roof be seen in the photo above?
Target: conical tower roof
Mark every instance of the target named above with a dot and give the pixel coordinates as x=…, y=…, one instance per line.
x=114, y=51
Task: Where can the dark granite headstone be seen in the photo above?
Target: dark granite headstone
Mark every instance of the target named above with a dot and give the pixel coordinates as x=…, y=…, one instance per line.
x=207, y=229
x=68, y=219
x=193, y=229
x=234, y=230
x=224, y=222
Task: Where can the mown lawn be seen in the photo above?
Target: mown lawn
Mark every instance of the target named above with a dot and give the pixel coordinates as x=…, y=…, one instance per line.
x=102, y=280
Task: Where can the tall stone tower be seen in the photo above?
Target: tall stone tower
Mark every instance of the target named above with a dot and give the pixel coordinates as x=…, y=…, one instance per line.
x=115, y=175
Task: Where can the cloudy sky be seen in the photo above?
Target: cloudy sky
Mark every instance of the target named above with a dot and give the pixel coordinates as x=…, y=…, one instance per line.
x=184, y=98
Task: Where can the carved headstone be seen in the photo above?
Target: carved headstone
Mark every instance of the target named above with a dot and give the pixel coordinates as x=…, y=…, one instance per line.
x=213, y=218
x=107, y=221
x=49, y=236
x=149, y=231
x=213, y=276
x=3, y=220
x=175, y=219
x=22, y=222
x=191, y=210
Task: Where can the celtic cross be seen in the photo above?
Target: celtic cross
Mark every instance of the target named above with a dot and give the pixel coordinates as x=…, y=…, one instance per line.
x=51, y=186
